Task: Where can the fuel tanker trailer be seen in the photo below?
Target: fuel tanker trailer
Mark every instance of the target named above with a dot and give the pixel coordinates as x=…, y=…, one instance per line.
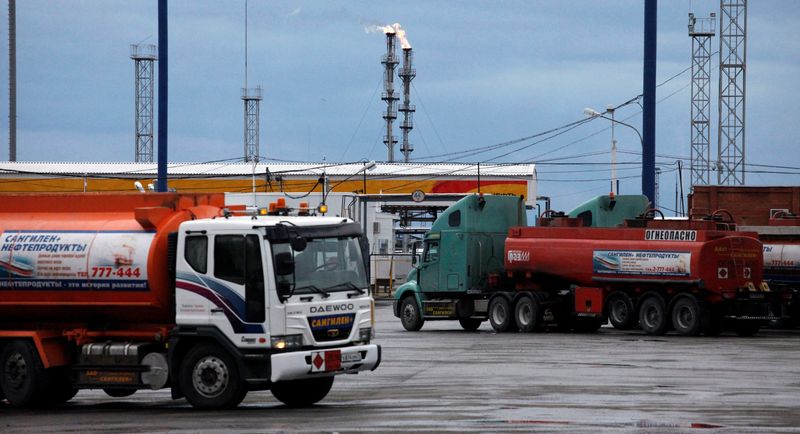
x=781, y=238
x=123, y=292
x=692, y=277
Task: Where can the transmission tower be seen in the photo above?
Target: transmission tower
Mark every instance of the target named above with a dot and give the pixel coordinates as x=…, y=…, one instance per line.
x=701, y=30
x=732, y=68
x=389, y=62
x=144, y=56
x=407, y=73
x=252, y=103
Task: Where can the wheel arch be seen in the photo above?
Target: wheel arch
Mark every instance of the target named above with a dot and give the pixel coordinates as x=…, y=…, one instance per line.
x=52, y=348
x=183, y=339
x=407, y=290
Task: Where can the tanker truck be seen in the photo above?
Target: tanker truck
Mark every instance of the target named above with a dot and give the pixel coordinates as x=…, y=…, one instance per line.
x=481, y=261
x=127, y=292
x=781, y=238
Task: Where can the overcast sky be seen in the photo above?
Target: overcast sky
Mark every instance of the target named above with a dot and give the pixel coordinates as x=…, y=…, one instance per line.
x=487, y=72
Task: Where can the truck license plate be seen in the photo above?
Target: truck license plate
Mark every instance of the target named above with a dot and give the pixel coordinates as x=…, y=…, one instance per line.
x=351, y=357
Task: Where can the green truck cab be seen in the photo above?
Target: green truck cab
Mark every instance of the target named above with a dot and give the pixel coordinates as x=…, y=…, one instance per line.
x=466, y=245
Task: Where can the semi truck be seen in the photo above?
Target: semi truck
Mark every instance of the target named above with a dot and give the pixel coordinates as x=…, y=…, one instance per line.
x=127, y=292
x=481, y=261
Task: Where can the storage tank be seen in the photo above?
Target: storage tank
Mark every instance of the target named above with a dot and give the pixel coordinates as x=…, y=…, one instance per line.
x=722, y=261
x=92, y=258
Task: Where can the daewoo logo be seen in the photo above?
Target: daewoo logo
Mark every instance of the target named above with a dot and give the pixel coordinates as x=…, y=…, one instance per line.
x=332, y=308
x=519, y=256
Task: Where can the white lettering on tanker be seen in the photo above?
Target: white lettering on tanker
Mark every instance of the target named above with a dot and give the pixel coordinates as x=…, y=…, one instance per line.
x=642, y=263
x=518, y=256
x=669, y=235
x=115, y=261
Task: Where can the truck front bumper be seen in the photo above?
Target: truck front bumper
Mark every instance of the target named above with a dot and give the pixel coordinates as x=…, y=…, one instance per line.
x=298, y=365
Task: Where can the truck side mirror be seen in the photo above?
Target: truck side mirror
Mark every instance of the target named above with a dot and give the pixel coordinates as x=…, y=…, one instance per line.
x=298, y=243
x=284, y=264
x=414, y=259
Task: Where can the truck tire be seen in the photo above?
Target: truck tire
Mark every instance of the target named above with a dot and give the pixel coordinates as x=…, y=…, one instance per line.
x=527, y=313
x=746, y=327
x=621, y=312
x=501, y=316
x=653, y=317
x=209, y=378
x=23, y=379
x=302, y=393
x=470, y=324
x=686, y=316
x=119, y=393
x=410, y=315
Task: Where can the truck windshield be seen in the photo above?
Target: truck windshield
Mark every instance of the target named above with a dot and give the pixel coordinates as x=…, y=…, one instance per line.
x=326, y=264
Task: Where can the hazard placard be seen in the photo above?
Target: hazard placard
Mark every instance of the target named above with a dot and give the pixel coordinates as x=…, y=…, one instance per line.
x=326, y=361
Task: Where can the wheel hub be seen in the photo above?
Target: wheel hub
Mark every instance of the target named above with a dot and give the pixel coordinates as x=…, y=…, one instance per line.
x=619, y=311
x=685, y=317
x=651, y=316
x=408, y=313
x=499, y=314
x=210, y=377
x=525, y=314
x=16, y=370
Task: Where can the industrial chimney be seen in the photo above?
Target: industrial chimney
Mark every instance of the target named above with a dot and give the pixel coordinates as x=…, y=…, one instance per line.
x=407, y=73
x=389, y=62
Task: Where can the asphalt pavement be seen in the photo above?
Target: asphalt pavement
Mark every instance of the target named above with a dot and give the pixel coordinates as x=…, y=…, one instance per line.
x=444, y=379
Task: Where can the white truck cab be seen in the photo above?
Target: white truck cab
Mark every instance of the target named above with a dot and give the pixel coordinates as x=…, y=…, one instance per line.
x=269, y=302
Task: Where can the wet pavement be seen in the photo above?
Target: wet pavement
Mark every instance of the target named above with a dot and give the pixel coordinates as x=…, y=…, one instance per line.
x=445, y=379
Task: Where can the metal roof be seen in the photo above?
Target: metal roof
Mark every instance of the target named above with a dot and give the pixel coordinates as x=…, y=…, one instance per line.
x=289, y=170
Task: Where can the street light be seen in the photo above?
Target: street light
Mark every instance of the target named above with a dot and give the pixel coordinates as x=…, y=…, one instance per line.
x=595, y=114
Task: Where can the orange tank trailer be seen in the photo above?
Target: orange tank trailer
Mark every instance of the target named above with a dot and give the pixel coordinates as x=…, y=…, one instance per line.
x=92, y=263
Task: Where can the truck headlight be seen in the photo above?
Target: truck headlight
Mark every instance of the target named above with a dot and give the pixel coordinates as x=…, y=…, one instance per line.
x=366, y=334
x=289, y=342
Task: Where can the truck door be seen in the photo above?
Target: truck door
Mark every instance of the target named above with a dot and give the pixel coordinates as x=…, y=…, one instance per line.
x=239, y=277
x=429, y=268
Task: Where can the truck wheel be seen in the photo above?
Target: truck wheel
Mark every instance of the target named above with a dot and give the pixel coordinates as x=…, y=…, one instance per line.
x=500, y=315
x=210, y=378
x=526, y=314
x=302, y=393
x=410, y=315
x=119, y=393
x=621, y=313
x=470, y=324
x=23, y=379
x=746, y=327
x=686, y=316
x=653, y=315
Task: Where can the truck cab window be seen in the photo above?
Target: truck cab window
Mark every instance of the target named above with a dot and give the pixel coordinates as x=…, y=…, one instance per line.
x=237, y=259
x=454, y=219
x=431, y=252
x=196, y=253
x=254, y=286
x=229, y=258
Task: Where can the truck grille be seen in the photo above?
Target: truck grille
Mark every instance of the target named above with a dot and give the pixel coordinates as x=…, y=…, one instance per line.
x=331, y=327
